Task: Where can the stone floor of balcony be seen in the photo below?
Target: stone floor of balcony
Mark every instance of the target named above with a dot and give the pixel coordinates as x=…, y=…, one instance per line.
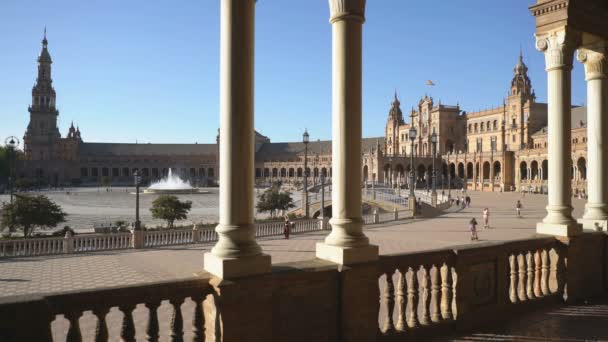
x=572, y=323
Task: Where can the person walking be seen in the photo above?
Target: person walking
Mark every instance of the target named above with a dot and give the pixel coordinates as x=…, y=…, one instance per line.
x=457, y=201
x=486, y=218
x=473, y=229
x=286, y=228
x=468, y=200
x=518, y=208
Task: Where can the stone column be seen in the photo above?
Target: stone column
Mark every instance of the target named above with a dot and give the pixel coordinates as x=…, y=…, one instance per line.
x=236, y=253
x=596, y=74
x=559, y=49
x=346, y=244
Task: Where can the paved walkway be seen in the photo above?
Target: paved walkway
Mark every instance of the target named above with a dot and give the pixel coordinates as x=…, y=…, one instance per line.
x=59, y=273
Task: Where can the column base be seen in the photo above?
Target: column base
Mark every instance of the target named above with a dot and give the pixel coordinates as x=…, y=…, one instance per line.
x=557, y=229
x=595, y=225
x=346, y=255
x=233, y=268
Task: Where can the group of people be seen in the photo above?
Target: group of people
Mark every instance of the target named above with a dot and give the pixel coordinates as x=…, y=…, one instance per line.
x=485, y=214
x=464, y=202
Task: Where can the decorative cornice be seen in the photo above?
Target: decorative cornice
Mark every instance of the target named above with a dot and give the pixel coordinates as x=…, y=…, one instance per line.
x=549, y=7
x=346, y=10
x=558, y=47
x=595, y=61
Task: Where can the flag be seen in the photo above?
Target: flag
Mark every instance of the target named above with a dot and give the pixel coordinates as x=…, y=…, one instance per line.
x=429, y=82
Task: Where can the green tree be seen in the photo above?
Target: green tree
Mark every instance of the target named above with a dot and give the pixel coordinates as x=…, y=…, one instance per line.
x=170, y=209
x=30, y=212
x=274, y=199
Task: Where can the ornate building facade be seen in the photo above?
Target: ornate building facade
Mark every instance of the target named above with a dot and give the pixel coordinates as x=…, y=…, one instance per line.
x=497, y=149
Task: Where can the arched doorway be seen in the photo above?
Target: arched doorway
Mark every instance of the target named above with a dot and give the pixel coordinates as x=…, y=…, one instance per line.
x=486, y=171
x=545, y=168
x=581, y=164
x=534, y=170
x=497, y=170
x=469, y=170
x=365, y=173
x=523, y=170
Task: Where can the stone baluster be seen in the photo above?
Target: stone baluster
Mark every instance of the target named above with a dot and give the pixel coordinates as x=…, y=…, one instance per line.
x=425, y=318
x=346, y=244
x=521, y=287
x=74, y=334
x=446, y=289
x=389, y=302
x=537, y=274
x=560, y=273
x=435, y=294
x=176, y=333
x=596, y=74
x=513, y=278
x=530, y=276
x=101, y=328
x=198, y=320
x=236, y=253
x=412, y=298
x=544, y=281
x=401, y=301
x=152, y=328
x=558, y=47
x=127, y=331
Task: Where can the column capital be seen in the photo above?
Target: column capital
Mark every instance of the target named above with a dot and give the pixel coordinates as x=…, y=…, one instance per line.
x=595, y=61
x=346, y=10
x=558, y=47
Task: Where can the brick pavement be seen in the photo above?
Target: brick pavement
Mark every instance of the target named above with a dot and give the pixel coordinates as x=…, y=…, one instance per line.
x=72, y=272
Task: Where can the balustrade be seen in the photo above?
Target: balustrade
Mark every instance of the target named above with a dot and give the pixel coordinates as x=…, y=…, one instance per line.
x=424, y=291
x=143, y=307
x=533, y=269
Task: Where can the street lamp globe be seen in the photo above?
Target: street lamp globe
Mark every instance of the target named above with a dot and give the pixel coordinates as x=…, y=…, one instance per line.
x=434, y=137
x=305, y=137
x=412, y=133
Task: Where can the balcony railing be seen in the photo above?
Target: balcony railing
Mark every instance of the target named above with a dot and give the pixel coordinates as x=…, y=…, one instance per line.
x=421, y=294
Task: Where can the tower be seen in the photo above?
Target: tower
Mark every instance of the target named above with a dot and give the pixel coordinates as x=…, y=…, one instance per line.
x=518, y=105
x=42, y=134
x=395, y=119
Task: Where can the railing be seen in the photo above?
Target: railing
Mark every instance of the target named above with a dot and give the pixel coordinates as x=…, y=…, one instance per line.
x=419, y=290
x=424, y=293
x=60, y=316
x=31, y=247
x=100, y=242
x=169, y=237
x=269, y=229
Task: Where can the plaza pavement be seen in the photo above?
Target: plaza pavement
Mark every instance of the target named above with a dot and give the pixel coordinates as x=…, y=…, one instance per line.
x=71, y=272
x=46, y=274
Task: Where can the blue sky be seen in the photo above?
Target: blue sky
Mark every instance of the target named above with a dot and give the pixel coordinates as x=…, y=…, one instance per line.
x=149, y=70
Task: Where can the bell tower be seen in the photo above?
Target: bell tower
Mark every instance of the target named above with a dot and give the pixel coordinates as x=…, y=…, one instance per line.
x=42, y=135
x=395, y=119
x=518, y=105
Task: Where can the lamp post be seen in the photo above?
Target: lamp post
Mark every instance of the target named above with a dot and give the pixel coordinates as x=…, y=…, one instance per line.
x=137, y=179
x=12, y=143
x=412, y=196
x=450, y=176
x=305, y=140
x=434, y=190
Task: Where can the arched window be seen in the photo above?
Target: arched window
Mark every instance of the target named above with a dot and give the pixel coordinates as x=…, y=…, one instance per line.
x=481, y=127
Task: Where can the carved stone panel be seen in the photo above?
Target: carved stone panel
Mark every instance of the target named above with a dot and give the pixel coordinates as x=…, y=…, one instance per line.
x=483, y=284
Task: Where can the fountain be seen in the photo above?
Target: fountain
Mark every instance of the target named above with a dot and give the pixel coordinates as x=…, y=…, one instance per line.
x=172, y=184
